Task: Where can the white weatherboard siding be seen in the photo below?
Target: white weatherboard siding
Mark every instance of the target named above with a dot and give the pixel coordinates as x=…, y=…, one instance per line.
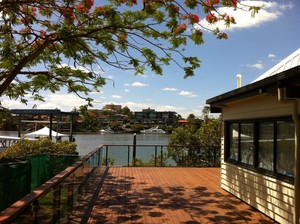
x=269, y=195
x=261, y=106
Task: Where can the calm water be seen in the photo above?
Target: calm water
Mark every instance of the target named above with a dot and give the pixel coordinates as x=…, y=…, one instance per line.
x=88, y=142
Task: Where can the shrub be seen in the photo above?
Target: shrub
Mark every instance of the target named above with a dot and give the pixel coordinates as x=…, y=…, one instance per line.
x=26, y=147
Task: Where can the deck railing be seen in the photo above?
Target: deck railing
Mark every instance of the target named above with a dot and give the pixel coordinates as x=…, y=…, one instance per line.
x=161, y=155
x=59, y=200
x=69, y=195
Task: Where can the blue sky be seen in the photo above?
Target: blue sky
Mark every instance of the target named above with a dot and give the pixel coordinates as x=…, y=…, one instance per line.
x=253, y=47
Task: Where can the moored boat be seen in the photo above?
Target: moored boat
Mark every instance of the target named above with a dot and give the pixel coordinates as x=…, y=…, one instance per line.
x=155, y=130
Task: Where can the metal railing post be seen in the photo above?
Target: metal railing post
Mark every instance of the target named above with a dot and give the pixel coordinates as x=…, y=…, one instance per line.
x=128, y=155
x=99, y=157
x=161, y=155
x=106, y=155
x=70, y=200
x=155, y=158
x=134, y=149
x=56, y=203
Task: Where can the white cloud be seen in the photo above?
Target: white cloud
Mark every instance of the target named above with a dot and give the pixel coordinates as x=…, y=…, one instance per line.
x=110, y=77
x=116, y=97
x=269, y=11
x=187, y=93
x=169, y=89
x=126, y=90
x=256, y=66
x=64, y=102
x=136, y=84
x=271, y=56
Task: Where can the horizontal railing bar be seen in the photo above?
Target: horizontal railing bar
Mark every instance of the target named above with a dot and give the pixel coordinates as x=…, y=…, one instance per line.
x=16, y=209
x=161, y=145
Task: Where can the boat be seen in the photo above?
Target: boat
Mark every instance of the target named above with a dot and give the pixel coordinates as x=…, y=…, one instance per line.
x=155, y=130
x=106, y=131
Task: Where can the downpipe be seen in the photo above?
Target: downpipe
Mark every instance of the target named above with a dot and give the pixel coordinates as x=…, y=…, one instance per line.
x=282, y=98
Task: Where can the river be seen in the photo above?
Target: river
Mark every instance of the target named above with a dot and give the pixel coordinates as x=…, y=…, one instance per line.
x=87, y=142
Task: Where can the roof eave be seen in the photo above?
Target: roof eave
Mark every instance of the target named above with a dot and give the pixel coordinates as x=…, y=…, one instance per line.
x=290, y=77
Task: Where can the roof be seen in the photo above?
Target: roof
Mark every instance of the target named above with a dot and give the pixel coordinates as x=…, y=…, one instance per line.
x=182, y=121
x=42, y=112
x=291, y=61
x=284, y=74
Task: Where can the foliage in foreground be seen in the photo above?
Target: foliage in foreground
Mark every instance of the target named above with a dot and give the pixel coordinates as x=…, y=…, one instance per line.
x=26, y=147
x=48, y=45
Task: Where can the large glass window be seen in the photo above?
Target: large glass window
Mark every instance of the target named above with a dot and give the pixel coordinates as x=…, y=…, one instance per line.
x=247, y=143
x=265, y=145
x=285, y=148
x=234, y=141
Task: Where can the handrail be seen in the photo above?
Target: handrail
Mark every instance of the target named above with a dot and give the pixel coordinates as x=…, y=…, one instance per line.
x=18, y=207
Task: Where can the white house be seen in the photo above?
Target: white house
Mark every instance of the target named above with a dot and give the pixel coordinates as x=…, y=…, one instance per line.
x=260, y=155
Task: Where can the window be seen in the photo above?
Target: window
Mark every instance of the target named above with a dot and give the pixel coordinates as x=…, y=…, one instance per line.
x=234, y=140
x=264, y=145
x=285, y=148
x=247, y=143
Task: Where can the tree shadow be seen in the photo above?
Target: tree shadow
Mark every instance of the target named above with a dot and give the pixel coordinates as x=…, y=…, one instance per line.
x=126, y=200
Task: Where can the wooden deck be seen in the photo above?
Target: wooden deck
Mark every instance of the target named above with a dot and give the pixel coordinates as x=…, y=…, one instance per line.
x=169, y=195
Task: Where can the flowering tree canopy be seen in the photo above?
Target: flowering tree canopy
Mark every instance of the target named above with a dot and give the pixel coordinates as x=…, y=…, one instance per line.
x=48, y=44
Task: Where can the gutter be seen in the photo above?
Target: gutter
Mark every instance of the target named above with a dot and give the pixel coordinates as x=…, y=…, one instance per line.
x=295, y=101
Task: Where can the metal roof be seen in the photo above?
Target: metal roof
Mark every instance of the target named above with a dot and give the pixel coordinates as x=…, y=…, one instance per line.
x=291, y=61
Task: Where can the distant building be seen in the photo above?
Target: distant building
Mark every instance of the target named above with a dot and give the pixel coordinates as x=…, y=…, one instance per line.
x=112, y=107
x=150, y=116
x=118, y=117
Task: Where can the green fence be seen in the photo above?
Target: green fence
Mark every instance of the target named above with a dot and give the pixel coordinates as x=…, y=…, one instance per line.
x=20, y=177
x=14, y=181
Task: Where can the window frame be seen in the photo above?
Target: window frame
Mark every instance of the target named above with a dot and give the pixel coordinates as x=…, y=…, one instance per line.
x=255, y=167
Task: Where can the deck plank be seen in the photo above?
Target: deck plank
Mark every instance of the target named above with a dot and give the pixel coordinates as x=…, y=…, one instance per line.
x=170, y=195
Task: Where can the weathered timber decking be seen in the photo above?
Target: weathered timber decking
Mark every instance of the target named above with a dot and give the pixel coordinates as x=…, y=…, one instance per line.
x=169, y=195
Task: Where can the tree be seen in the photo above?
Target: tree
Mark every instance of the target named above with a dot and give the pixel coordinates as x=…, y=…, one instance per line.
x=126, y=111
x=209, y=134
x=194, y=146
x=87, y=119
x=48, y=44
x=191, y=118
x=181, y=144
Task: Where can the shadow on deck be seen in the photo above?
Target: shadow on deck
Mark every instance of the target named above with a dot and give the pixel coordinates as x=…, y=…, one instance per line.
x=169, y=195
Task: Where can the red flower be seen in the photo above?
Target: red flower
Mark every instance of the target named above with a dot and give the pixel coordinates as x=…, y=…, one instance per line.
x=194, y=18
x=43, y=33
x=211, y=18
x=180, y=29
x=122, y=39
x=212, y=2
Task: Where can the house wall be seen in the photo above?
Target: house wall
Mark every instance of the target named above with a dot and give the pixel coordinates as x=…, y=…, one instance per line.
x=269, y=195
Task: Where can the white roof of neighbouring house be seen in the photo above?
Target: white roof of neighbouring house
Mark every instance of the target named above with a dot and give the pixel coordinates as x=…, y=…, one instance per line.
x=291, y=61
